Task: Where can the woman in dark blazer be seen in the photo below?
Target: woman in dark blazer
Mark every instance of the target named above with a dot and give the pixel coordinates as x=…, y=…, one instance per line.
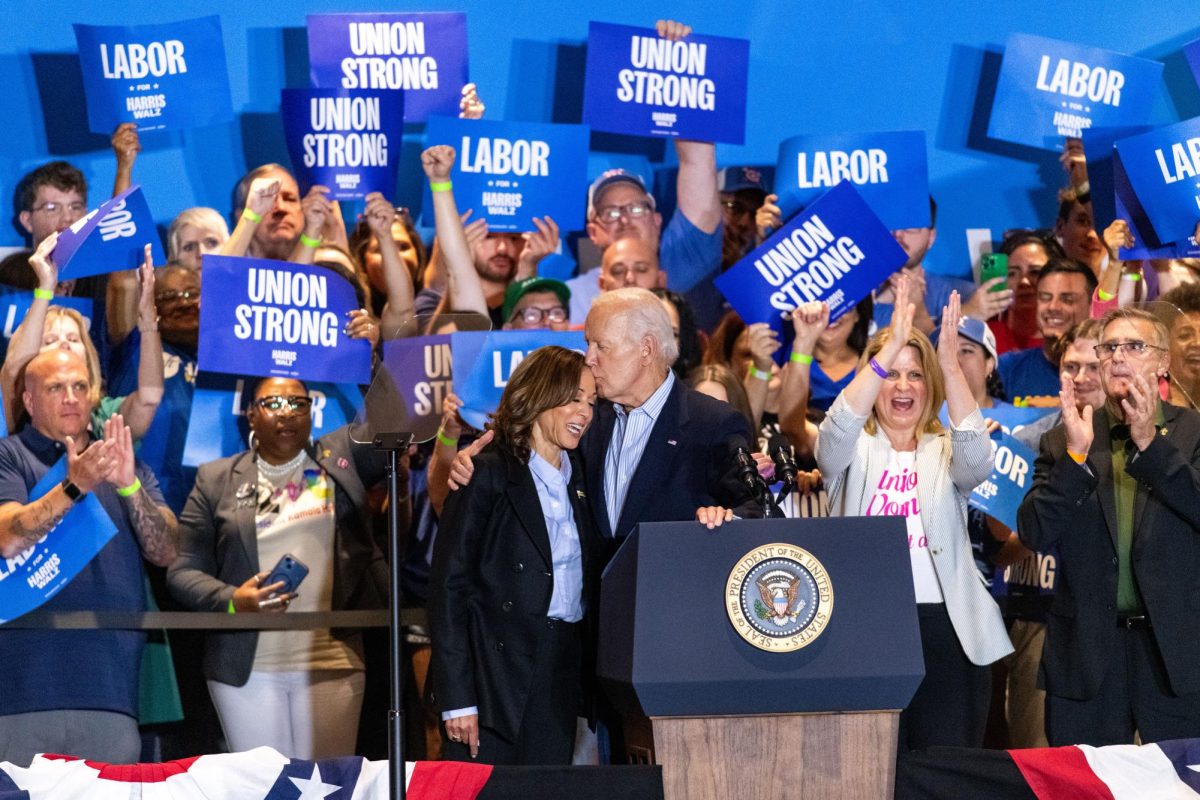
x=513, y=575
x=297, y=691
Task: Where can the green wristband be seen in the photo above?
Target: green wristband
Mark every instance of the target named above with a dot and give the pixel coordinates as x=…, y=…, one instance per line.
x=43, y=294
x=446, y=440
x=1104, y=296
x=755, y=372
x=442, y=186
x=308, y=241
x=1131, y=276
x=232, y=610
x=247, y=214
x=801, y=358
x=126, y=491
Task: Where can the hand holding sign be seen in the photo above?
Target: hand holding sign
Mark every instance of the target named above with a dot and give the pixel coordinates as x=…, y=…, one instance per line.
x=1116, y=236
x=318, y=212
x=470, y=107
x=379, y=214
x=126, y=145
x=768, y=217
x=1078, y=425
x=42, y=263
x=261, y=198
x=671, y=30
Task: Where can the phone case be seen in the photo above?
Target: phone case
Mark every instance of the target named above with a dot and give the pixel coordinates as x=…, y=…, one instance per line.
x=290, y=570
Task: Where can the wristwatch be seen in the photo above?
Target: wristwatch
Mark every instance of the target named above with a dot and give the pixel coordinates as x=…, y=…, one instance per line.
x=73, y=492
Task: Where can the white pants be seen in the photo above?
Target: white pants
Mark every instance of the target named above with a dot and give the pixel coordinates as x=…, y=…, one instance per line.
x=309, y=714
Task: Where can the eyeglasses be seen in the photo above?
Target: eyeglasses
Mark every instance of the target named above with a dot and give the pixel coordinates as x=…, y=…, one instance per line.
x=1106, y=350
x=610, y=214
x=275, y=403
x=738, y=207
x=56, y=209
x=532, y=315
x=168, y=298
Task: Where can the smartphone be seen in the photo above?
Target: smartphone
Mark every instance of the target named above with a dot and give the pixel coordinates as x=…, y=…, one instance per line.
x=290, y=570
x=994, y=265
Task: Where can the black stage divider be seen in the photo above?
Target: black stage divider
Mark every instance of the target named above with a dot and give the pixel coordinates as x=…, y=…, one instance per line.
x=574, y=783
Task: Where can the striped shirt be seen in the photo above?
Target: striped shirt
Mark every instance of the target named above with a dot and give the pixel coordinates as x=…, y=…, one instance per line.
x=631, y=432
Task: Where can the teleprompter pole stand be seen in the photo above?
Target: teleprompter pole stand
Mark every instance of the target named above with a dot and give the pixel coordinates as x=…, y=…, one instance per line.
x=394, y=444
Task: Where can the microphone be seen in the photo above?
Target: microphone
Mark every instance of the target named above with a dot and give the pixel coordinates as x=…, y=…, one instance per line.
x=747, y=470
x=785, y=466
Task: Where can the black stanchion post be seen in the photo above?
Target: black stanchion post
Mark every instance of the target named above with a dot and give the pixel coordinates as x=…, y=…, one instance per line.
x=394, y=444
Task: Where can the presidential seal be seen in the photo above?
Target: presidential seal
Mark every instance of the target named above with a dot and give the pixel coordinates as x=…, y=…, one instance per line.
x=779, y=597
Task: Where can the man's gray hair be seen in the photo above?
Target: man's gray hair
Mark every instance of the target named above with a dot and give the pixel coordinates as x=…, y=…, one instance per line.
x=642, y=314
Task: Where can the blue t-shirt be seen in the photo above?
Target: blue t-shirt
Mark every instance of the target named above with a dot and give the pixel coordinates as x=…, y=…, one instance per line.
x=937, y=296
x=84, y=669
x=162, y=446
x=822, y=390
x=1029, y=377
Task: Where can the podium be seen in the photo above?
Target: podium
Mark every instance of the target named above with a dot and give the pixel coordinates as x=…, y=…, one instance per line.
x=749, y=698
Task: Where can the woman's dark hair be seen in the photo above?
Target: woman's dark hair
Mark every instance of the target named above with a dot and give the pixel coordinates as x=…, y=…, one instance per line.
x=1043, y=238
x=253, y=388
x=547, y=378
x=689, y=336
x=360, y=242
x=723, y=339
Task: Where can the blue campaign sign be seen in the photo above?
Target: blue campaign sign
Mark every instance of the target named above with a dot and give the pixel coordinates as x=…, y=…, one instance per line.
x=835, y=250
x=1163, y=169
x=33, y=577
x=277, y=319
x=511, y=172
x=163, y=77
x=422, y=370
x=1191, y=53
x=1011, y=418
x=1012, y=474
x=110, y=238
x=890, y=171
x=423, y=54
x=345, y=139
x=217, y=428
x=483, y=362
x=636, y=82
x=1048, y=90
x=14, y=305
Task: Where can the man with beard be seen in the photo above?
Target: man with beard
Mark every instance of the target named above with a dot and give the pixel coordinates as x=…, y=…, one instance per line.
x=1118, y=491
x=177, y=299
x=495, y=258
x=1064, y=297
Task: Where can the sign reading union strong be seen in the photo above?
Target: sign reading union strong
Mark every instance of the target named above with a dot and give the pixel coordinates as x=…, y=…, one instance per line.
x=779, y=597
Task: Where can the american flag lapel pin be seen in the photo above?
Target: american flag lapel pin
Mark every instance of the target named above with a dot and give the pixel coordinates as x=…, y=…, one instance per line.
x=672, y=442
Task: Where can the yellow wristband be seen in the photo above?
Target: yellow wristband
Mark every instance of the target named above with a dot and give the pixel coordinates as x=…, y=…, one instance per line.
x=232, y=610
x=247, y=214
x=1077, y=458
x=801, y=358
x=126, y=491
x=1131, y=276
x=446, y=440
x=308, y=241
x=755, y=372
x=442, y=186
x=1104, y=296
x=43, y=294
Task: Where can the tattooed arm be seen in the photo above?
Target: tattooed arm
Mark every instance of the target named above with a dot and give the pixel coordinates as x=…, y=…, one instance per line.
x=21, y=525
x=155, y=526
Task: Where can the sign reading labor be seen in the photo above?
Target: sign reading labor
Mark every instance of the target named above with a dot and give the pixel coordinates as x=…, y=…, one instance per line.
x=421, y=369
x=1048, y=90
x=425, y=55
x=639, y=83
x=110, y=238
x=889, y=170
x=162, y=77
x=276, y=319
x=1012, y=474
x=345, y=139
x=835, y=250
x=1163, y=170
x=29, y=579
x=484, y=361
x=511, y=172
x=217, y=423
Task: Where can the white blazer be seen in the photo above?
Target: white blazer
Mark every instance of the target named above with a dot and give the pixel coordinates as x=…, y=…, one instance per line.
x=949, y=466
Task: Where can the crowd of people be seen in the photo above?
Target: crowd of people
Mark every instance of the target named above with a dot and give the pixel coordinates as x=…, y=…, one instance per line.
x=1076, y=627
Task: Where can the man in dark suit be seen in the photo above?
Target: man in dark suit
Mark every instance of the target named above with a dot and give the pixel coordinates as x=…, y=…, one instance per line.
x=1118, y=492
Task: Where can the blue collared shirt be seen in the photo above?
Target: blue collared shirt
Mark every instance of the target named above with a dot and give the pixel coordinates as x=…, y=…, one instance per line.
x=631, y=432
x=566, y=600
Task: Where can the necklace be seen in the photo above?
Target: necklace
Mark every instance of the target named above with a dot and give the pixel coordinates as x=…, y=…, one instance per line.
x=275, y=471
